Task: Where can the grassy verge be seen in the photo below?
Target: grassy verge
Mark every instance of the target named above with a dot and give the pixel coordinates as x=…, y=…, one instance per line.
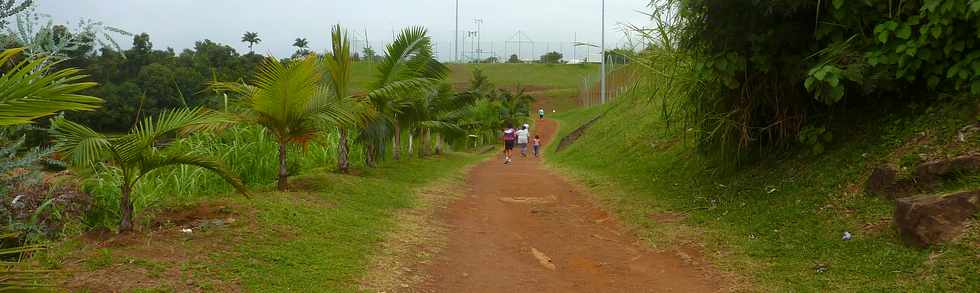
x=778, y=223
x=318, y=238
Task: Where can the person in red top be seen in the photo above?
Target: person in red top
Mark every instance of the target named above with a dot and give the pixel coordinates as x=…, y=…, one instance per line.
x=510, y=135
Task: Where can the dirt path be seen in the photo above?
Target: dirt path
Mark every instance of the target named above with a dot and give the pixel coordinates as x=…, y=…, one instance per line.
x=521, y=228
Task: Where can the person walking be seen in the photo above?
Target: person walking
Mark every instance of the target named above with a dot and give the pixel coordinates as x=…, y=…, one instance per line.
x=522, y=139
x=510, y=135
x=537, y=145
x=541, y=113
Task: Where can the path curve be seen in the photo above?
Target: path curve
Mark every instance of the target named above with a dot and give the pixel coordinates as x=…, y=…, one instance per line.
x=515, y=218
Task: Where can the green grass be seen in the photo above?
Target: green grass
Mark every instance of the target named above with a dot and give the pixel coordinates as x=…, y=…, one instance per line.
x=552, y=76
x=559, y=83
x=776, y=221
x=321, y=240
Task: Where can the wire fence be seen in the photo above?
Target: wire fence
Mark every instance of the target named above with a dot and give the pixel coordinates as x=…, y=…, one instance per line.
x=619, y=79
x=501, y=51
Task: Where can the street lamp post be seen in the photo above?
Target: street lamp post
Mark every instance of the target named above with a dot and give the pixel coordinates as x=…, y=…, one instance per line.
x=456, y=37
x=602, y=52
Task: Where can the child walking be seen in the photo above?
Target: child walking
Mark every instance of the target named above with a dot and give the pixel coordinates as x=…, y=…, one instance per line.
x=536, y=144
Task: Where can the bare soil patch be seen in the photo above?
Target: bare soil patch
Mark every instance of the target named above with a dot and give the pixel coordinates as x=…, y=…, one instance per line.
x=164, y=256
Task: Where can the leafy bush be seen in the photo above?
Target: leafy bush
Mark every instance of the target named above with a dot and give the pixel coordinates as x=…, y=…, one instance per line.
x=766, y=69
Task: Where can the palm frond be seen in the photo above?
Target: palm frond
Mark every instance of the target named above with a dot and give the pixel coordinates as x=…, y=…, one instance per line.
x=28, y=91
x=80, y=144
x=148, y=131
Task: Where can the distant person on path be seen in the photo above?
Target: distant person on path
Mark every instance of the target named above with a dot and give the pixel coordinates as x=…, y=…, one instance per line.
x=510, y=135
x=541, y=113
x=522, y=136
x=537, y=145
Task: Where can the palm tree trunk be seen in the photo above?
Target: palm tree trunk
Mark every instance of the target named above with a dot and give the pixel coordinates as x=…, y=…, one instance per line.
x=126, y=206
x=396, y=151
x=343, y=163
x=369, y=154
x=422, y=139
x=283, y=174
x=438, y=144
x=411, y=139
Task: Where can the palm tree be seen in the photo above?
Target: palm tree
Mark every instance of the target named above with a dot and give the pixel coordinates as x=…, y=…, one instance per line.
x=336, y=67
x=301, y=47
x=251, y=38
x=28, y=91
x=408, y=64
x=140, y=152
x=301, y=43
x=438, y=110
x=291, y=103
x=516, y=105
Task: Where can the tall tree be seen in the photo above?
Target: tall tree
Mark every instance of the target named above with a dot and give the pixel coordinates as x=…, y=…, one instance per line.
x=251, y=38
x=301, y=47
x=291, y=103
x=301, y=43
x=138, y=152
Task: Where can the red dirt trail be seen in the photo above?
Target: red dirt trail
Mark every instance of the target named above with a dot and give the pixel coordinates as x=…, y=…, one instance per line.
x=516, y=217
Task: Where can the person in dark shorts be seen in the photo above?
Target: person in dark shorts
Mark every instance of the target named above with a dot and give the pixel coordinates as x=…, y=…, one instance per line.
x=540, y=113
x=510, y=136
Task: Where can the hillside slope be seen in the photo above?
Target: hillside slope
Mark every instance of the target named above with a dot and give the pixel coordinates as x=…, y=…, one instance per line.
x=777, y=224
x=555, y=85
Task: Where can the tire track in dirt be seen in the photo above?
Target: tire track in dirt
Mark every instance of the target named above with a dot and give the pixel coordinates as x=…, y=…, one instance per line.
x=521, y=228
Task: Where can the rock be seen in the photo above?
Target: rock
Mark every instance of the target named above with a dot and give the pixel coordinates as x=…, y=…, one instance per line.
x=929, y=219
x=543, y=259
x=930, y=172
x=882, y=180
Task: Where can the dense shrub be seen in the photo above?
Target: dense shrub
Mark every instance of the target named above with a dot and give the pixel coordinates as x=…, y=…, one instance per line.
x=769, y=68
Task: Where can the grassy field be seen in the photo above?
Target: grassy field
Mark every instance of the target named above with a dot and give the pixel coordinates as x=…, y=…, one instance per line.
x=319, y=237
x=777, y=224
x=557, y=85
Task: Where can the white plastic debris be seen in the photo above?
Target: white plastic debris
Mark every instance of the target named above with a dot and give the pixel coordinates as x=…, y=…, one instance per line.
x=186, y=230
x=847, y=236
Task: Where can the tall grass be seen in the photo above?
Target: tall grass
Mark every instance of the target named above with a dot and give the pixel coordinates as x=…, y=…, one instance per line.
x=249, y=151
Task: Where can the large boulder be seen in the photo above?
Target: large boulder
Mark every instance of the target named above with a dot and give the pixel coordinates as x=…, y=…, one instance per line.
x=924, y=220
x=930, y=172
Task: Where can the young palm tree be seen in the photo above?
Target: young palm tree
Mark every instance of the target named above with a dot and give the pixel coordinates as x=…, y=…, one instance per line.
x=139, y=152
x=291, y=102
x=438, y=110
x=409, y=64
x=251, y=38
x=336, y=67
x=29, y=91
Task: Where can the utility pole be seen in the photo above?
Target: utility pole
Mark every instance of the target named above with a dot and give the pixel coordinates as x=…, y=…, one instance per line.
x=456, y=37
x=479, y=52
x=602, y=67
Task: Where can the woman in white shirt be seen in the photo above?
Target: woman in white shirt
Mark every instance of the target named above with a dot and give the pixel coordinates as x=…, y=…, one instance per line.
x=522, y=138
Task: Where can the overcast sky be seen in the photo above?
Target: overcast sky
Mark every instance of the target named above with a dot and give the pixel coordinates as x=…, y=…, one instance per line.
x=551, y=24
